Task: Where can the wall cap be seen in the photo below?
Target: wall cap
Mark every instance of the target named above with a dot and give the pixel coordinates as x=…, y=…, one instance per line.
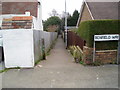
x=107, y=51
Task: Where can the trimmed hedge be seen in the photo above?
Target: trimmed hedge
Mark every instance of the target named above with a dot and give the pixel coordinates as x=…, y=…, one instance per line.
x=88, y=29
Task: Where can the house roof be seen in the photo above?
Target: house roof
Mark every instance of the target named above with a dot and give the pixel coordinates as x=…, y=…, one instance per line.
x=104, y=10
x=101, y=10
x=19, y=0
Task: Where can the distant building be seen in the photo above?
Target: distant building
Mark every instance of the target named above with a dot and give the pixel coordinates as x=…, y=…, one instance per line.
x=22, y=9
x=52, y=28
x=98, y=10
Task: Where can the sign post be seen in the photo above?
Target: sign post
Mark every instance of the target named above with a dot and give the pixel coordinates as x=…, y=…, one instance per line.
x=94, y=52
x=118, y=56
x=111, y=37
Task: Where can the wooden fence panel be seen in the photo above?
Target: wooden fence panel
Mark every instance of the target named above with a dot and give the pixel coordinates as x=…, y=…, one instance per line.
x=74, y=39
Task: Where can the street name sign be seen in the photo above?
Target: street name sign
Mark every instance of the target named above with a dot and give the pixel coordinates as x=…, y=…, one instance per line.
x=111, y=37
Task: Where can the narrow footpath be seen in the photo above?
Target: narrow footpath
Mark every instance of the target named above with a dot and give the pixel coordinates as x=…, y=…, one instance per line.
x=60, y=71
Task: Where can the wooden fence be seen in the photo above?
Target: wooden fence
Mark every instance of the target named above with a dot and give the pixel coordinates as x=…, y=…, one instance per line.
x=74, y=39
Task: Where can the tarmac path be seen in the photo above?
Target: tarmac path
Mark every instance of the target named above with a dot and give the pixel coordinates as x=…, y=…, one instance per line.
x=60, y=71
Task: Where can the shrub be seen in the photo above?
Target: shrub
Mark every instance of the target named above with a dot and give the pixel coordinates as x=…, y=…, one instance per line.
x=88, y=29
x=76, y=52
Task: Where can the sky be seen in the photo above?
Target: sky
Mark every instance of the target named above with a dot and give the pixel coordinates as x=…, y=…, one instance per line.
x=59, y=6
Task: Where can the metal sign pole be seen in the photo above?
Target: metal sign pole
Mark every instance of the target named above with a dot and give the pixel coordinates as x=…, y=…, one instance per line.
x=94, y=52
x=118, y=54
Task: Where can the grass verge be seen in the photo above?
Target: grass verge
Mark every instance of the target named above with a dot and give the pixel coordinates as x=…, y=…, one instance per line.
x=6, y=69
x=51, y=47
x=36, y=62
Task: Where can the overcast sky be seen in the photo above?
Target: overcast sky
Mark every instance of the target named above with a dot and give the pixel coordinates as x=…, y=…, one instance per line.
x=59, y=6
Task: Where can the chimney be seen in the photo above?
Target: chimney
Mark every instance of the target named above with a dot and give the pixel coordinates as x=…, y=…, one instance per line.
x=27, y=13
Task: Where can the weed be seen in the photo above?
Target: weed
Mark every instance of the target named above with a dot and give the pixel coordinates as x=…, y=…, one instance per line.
x=37, y=61
x=6, y=69
x=81, y=62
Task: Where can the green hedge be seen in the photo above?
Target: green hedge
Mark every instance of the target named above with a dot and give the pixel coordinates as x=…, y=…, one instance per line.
x=88, y=29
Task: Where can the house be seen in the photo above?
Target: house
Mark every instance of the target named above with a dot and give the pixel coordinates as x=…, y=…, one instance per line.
x=22, y=8
x=92, y=10
x=52, y=28
x=19, y=15
x=104, y=19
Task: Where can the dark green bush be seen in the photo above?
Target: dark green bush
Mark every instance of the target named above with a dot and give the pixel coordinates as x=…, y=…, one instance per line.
x=88, y=29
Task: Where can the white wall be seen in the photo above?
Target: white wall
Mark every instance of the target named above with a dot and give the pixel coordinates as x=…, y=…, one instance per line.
x=39, y=17
x=23, y=47
x=18, y=48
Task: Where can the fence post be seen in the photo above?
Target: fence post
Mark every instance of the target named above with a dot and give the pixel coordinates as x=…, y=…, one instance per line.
x=43, y=49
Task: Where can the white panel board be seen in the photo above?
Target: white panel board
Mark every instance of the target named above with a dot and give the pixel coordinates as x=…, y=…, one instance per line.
x=18, y=48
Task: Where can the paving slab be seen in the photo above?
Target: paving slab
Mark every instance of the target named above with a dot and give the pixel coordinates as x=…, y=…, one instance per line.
x=60, y=71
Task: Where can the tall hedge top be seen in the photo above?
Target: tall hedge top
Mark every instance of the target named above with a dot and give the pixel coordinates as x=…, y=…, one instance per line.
x=88, y=29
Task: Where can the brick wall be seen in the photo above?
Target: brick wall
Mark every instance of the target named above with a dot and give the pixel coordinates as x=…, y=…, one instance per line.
x=17, y=23
x=87, y=55
x=85, y=14
x=108, y=56
x=101, y=57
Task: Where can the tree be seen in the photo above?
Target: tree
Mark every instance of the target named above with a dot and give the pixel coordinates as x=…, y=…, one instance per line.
x=52, y=21
x=75, y=17
x=54, y=13
x=72, y=21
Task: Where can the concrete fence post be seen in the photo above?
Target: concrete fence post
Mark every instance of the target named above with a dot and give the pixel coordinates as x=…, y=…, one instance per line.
x=43, y=49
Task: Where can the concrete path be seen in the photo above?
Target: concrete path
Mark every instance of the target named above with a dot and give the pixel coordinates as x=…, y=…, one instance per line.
x=60, y=71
